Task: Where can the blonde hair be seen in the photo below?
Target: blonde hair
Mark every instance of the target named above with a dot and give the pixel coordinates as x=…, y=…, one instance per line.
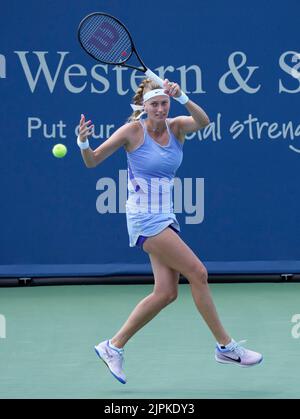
x=145, y=86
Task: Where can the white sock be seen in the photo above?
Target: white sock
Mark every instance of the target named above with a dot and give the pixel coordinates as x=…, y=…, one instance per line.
x=113, y=346
x=226, y=346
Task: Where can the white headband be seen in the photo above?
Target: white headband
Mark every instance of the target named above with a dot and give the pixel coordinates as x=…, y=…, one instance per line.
x=153, y=93
x=147, y=96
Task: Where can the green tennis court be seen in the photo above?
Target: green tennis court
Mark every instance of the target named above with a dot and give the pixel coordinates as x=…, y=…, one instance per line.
x=50, y=332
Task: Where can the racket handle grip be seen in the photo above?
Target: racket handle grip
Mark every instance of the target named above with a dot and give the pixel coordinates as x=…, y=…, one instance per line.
x=154, y=77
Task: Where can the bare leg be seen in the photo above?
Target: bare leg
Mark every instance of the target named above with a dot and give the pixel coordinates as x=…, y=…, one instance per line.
x=173, y=252
x=205, y=305
x=165, y=291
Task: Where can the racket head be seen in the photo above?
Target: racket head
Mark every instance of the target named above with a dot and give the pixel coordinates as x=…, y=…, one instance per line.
x=105, y=38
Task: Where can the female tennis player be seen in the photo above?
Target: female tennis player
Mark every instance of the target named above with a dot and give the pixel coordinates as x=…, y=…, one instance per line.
x=154, y=148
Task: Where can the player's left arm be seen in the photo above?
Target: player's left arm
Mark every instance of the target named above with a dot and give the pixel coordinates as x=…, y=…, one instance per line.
x=193, y=123
x=198, y=118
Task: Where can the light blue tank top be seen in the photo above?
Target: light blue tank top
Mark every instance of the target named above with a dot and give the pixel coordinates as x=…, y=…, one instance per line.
x=151, y=172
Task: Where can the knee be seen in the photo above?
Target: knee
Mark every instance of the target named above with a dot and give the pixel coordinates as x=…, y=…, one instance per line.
x=197, y=274
x=168, y=297
x=172, y=297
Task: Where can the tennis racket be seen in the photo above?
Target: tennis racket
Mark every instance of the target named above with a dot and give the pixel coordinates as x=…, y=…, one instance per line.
x=107, y=40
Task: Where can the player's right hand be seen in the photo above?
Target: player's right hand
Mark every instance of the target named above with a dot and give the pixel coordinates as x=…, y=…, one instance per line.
x=85, y=129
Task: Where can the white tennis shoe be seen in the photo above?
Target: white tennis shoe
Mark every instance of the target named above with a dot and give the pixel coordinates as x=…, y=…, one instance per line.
x=113, y=358
x=234, y=353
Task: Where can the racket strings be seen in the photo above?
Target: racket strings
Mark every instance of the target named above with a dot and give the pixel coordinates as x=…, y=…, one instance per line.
x=105, y=39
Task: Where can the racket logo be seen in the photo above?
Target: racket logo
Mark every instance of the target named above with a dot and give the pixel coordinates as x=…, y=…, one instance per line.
x=105, y=37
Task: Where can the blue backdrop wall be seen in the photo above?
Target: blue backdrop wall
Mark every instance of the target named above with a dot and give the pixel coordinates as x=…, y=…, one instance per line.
x=237, y=192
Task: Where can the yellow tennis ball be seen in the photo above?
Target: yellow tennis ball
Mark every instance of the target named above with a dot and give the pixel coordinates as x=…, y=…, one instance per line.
x=59, y=151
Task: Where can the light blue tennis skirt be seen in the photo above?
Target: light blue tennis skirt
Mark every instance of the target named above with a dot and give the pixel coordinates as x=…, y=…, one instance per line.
x=148, y=225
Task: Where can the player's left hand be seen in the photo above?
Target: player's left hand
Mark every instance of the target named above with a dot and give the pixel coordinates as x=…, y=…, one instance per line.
x=172, y=89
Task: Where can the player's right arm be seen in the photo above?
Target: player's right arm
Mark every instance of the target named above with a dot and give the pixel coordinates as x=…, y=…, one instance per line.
x=93, y=158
